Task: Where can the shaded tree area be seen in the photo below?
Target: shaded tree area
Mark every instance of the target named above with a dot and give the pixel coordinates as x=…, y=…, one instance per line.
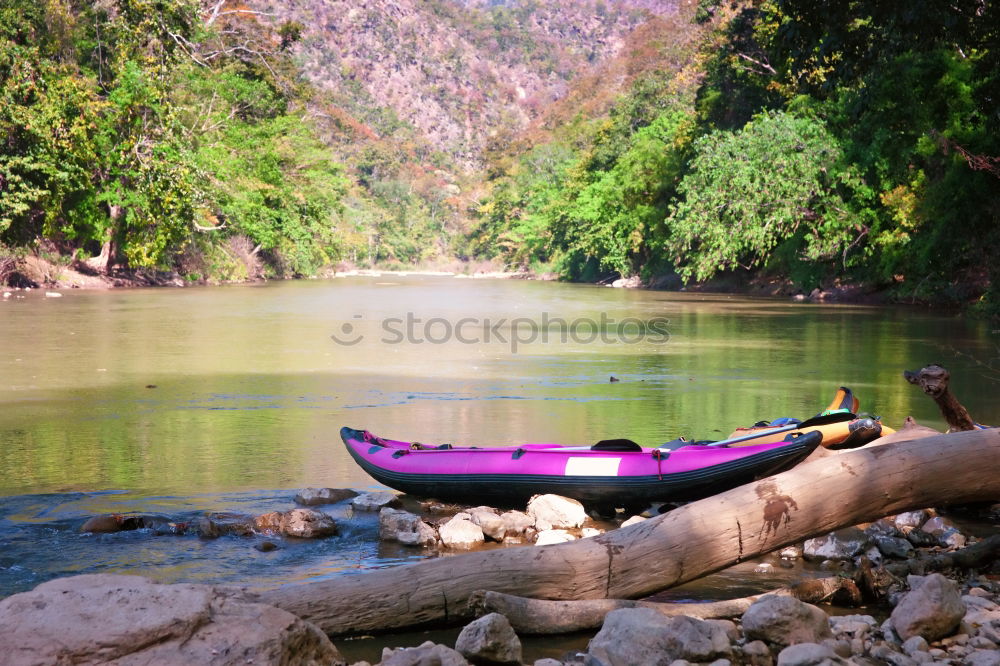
x=856, y=141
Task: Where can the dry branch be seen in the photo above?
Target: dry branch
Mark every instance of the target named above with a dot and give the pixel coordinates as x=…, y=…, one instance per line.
x=705, y=536
x=933, y=380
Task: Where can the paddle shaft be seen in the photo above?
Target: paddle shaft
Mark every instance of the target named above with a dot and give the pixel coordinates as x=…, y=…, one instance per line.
x=808, y=423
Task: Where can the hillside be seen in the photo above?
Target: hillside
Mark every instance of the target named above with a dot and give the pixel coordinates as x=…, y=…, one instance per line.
x=449, y=74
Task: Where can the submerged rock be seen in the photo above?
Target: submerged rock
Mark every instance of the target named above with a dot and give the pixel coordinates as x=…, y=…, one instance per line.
x=318, y=496
x=102, y=618
x=375, y=501
x=215, y=525
x=301, y=523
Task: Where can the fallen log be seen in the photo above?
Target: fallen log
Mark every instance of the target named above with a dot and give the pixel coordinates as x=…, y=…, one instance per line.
x=705, y=536
x=543, y=616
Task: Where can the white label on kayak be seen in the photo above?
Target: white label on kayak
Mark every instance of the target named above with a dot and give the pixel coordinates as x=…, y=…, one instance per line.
x=590, y=466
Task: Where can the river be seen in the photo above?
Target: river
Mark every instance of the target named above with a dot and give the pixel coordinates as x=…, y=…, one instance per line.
x=181, y=401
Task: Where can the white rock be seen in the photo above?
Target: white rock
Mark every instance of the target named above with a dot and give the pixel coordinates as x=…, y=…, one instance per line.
x=910, y=519
x=461, y=533
x=809, y=654
x=588, y=532
x=559, y=512
x=516, y=522
x=633, y=521
x=549, y=537
x=53, y=294
x=637, y=636
x=840, y=545
x=488, y=520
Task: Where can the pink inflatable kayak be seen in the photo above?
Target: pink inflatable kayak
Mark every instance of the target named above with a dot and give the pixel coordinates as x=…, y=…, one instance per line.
x=610, y=473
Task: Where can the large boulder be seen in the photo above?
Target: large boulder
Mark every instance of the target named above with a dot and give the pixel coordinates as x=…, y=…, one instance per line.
x=425, y=654
x=933, y=608
x=301, y=523
x=405, y=527
x=317, y=496
x=556, y=512
x=489, y=640
x=461, y=532
x=642, y=636
x=101, y=618
x=785, y=621
x=840, y=545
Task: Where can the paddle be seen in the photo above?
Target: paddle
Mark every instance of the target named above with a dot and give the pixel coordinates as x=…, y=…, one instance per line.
x=822, y=419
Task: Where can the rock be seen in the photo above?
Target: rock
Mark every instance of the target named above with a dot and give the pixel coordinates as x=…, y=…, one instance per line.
x=790, y=553
x=301, y=523
x=425, y=654
x=588, y=532
x=982, y=658
x=639, y=636
x=840, y=647
x=489, y=640
x=549, y=537
x=894, y=547
x=559, y=512
x=460, y=532
x=785, y=621
x=219, y=524
x=375, y=501
x=932, y=610
x=921, y=539
x=840, y=545
x=266, y=546
x=853, y=626
x=308, y=524
x=809, y=654
x=633, y=282
x=756, y=653
x=488, y=520
x=888, y=655
x=516, y=522
x=915, y=644
x=547, y=661
x=102, y=524
x=101, y=618
x=318, y=496
x=883, y=527
x=405, y=527
x=764, y=568
x=633, y=521
x=909, y=520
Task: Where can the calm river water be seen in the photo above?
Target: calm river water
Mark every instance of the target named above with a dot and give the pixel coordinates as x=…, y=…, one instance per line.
x=181, y=401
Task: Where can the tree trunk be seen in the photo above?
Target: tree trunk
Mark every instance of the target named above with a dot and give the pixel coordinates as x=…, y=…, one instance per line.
x=687, y=543
x=543, y=616
x=933, y=380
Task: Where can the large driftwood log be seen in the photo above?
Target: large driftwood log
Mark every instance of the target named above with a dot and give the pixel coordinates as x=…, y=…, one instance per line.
x=933, y=380
x=687, y=543
x=543, y=616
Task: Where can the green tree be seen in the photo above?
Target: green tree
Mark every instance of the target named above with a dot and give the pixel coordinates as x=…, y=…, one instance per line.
x=748, y=191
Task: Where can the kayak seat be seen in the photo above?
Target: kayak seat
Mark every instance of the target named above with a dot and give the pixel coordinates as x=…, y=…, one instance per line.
x=616, y=445
x=673, y=444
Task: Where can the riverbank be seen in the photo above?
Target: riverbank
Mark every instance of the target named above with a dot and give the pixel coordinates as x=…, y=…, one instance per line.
x=37, y=272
